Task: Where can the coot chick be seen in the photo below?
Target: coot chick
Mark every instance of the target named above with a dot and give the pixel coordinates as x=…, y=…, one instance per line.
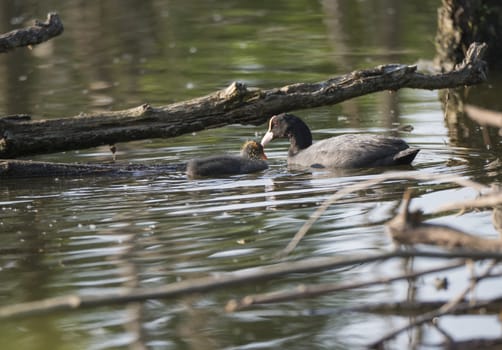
x=251, y=159
x=344, y=151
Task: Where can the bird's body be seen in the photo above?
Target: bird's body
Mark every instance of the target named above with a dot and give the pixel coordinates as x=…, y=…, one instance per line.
x=251, y=160
x=344, y=151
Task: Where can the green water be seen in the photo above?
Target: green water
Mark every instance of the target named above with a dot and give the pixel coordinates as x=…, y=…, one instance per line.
x=90, y=236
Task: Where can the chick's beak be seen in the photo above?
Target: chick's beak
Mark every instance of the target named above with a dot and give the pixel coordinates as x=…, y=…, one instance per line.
x=264, y=156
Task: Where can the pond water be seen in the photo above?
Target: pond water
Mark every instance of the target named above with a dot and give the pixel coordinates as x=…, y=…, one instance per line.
x=94, y=235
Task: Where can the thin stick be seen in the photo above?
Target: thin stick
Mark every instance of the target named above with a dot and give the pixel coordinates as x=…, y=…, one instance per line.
x=448, y=307
x=219, y=281
x=407, y=308
x=490, y=200
x=366, y=184
x=443, y=310
x=306, y=291
x=484, y=116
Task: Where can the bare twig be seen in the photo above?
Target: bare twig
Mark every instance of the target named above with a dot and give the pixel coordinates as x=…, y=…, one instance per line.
x=489, y=200
x=479, y=343
x=443, y=310
x=306, y=291
x=367, y=184
x=407, y=308
x=448, y=338
x=407, y=228
x=218, y=281
x=484, y=116
x=414, y=232
x=448, y=307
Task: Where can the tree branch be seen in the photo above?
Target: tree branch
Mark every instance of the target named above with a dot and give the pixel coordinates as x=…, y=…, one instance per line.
x=407, y=228
x=26, y=168
x=235, y=104
x=310, y=291
x=416, y=308
x=36, y=34
x=219, y=281
x=367, y=184
x=484, y=116
x=448, y=308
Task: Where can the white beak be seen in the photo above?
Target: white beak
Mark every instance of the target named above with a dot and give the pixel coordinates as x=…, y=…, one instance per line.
x=269, y=136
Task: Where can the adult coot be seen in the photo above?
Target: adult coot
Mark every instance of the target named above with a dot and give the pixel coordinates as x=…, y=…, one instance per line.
x=251, y=159
x=345, y=151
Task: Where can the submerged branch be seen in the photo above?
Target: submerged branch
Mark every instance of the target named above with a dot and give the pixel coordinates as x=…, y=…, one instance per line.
x=21, y=136
x=368, y=184
x=452, y=306
x=13, y=168
x=416, y=308
x=484, y=116
x=407, y=228
x=219, y=281
x=306, y=291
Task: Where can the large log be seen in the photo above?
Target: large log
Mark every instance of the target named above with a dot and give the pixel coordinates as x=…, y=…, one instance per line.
x=14, y=168
x=22, y=136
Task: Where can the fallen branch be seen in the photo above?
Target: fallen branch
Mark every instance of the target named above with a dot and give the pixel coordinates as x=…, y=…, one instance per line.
x=367, y=184
x=410, y=308
x=21, y=136
x=486, y=201
x=28, y=168
x=36, y=34
x=448, y=308
x=484, y=116
x=219, y=281
x=407, y=228
x=306, y=291
x=476, y=343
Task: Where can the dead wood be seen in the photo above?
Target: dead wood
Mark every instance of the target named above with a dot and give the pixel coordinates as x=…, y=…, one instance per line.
x=26, y=168
x=484, y=116
x=220, y=281
x=476, y=343
x=407, y=228
x=452, y=306
x=36, y=34
x=309, y=291
x=461, y=22
x=413, y=175
x=416, y=308
x=21, y=136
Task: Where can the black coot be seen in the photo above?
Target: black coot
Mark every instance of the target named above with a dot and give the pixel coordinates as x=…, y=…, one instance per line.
x=345, y=151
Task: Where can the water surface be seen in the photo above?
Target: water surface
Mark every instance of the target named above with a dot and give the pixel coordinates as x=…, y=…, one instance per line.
x=94, y=235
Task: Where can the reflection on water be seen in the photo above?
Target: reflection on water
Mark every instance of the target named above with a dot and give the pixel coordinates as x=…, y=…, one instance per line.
x=95, y=235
